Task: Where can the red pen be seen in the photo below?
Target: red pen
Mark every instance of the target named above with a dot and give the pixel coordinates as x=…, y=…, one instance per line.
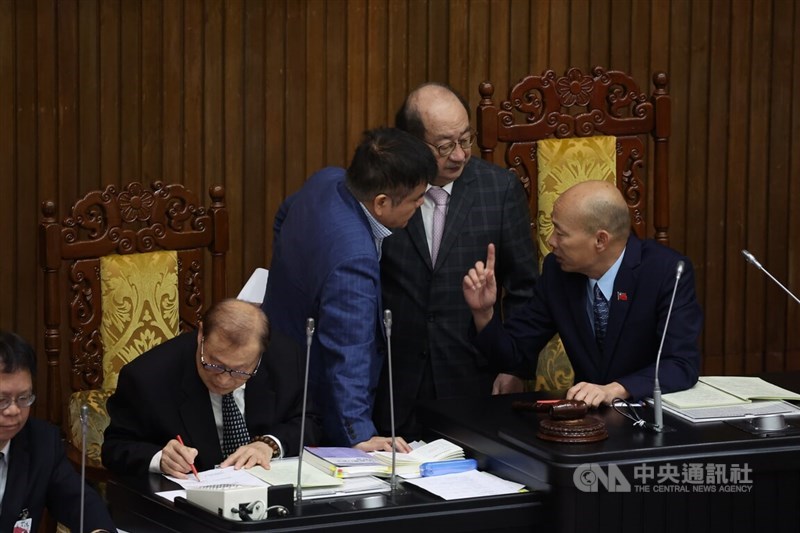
x=194, y=469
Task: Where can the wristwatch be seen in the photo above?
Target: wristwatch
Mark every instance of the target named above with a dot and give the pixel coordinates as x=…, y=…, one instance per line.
x=269, y=441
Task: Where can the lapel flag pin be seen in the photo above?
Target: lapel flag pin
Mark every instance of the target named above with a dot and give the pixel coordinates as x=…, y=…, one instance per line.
x=622, y=296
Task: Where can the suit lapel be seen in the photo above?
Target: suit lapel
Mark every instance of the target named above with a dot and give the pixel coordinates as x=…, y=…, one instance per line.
x=17, y=483
x=577, y=299
x=416, y=234
x=461, y=200
x=623, y=295
x=259, y=402
x=198, y=418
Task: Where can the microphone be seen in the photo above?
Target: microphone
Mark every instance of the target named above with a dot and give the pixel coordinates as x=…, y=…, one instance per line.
x=84, y=428
x=309, y=336
x=658, y=411
x=387, y=324
x=751, y=259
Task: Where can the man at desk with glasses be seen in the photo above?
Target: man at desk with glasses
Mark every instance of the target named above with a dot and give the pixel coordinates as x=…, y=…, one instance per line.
x=211, y=397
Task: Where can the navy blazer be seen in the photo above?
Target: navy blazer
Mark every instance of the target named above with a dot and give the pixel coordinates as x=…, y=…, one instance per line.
x=638, y=310
x=430, y=317
x=325, y=267
x=40, y=476
x=160, y=395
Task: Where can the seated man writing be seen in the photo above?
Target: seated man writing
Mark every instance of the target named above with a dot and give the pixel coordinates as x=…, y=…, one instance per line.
x=230, y=399
x=607, y=294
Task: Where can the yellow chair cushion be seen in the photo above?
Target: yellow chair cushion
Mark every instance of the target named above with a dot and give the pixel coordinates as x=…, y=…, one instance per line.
x=97, y=421
x=140, y=307
x=561, y=164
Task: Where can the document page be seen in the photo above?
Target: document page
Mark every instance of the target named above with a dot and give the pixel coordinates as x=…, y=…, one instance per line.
x=470, y=484
x=749, y=388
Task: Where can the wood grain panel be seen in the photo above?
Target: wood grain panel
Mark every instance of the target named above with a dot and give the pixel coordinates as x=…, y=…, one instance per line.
x=23, y=292
x=793, y=314
x=259, y=94
x=757, y=185
x=736, y=194
x=233, y=136
x=8, y=146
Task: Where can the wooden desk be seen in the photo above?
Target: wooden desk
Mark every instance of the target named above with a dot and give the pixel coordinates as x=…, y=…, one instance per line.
x=135, y=508
x=505, y=442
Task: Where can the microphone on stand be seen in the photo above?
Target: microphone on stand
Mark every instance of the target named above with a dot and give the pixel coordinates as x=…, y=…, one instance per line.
x=658, y=410
x=84, y=428
x=309, y=336
x=387, y=324
x=751, y=259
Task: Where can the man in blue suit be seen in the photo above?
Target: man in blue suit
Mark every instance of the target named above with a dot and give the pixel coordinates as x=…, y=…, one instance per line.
x=325, y=265
x=613, y=355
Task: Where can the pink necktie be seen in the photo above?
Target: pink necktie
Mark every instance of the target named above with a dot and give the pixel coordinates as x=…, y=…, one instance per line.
x=440, y=198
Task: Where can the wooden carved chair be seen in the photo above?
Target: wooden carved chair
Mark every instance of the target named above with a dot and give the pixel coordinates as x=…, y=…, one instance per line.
x=131, y=261
x=559, y=130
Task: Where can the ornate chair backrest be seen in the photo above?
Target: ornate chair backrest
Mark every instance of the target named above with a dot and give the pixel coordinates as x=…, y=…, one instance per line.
x=131, y=262
x=559, y=130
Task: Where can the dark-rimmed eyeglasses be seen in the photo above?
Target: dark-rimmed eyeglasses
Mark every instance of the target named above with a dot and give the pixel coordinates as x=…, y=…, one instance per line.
x=22, y=402
x=219, y=369
x=445, y=149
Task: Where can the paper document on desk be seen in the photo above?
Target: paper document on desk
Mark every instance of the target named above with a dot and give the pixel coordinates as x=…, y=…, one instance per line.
x=470, y=484
x=284, y=471
x=219, y=476
x=215, y=476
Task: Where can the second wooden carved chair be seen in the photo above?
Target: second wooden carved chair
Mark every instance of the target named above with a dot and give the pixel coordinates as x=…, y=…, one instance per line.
x=558, y=130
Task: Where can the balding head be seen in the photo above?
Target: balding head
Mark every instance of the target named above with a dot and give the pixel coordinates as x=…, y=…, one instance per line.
x=440, y=117
x=592, y=225
x=599, y=206
x=237, y=322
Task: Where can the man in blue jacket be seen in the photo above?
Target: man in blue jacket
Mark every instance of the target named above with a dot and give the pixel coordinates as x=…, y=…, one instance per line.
x=607, y=294
x=325, y=266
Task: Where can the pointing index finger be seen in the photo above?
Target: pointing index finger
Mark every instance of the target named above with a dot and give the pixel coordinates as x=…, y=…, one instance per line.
x=490, y=257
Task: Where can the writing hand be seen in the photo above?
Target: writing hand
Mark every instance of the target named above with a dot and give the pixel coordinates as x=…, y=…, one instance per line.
x=480, y=289
x=177, y=459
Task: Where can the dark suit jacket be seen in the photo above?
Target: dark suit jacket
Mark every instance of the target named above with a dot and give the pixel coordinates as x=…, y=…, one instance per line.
x=325, y=266
x=642, y=291
x=430, y=318
x=39, y=476
x=160, y=395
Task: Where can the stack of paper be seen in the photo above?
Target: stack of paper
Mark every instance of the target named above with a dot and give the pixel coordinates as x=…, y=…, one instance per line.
x=343, y=462
x=716, y=398
x=408, y=463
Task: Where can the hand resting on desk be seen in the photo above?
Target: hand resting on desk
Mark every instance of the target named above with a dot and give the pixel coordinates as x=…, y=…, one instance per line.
x=594, y=394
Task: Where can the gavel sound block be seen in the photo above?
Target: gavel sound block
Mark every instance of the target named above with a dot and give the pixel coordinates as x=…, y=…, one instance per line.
x=566, y=421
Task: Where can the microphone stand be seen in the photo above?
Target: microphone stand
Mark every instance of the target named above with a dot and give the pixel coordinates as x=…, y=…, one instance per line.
x=751, y=259
x=309, y=336
x=84, y=428
x=387, y=324
x=658, y=409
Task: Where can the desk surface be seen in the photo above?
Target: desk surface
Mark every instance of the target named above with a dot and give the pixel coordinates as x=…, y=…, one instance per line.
x=135, y=507
x=504, y=441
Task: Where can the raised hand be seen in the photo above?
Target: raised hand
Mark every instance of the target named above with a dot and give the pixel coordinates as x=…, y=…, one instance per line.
x=480, y=289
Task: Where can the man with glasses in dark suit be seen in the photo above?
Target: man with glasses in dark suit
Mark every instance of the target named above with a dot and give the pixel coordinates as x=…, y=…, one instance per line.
x=34, y=471
x=470, y=204
x=217, y=396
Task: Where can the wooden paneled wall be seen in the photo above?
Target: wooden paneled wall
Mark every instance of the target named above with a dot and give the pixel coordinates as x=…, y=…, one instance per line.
x=258, y=94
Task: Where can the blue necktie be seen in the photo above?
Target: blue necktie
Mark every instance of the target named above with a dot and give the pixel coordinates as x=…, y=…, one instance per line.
x=234, y=429
x=600, y=309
